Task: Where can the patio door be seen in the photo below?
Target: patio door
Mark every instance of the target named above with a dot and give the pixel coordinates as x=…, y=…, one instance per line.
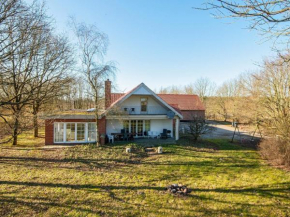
x=133, y=127
x=140, y=128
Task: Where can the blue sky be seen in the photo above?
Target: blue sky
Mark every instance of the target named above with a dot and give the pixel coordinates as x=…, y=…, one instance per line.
x=166, y=42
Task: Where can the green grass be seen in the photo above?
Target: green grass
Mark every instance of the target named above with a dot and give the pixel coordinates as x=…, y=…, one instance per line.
x=26, y=139
x=226, y=180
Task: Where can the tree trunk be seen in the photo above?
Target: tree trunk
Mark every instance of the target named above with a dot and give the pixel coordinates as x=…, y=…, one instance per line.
x=35, y=119
x=15, y=131
x=97, y=117
x=97, y=133
x=35, y=125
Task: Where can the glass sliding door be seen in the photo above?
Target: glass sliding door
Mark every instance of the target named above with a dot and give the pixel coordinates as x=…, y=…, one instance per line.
x=92, y=132
x=147, y=126
x=70, y=132
x=126, y=126
x=80, y=132
x=58, y=132
x=140, y=128
x=133, y=127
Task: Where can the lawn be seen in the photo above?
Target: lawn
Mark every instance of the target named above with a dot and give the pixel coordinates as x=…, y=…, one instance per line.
x=226, y=180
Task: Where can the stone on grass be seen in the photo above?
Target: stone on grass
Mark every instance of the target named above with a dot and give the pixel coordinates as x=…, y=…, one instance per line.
x=178, y=189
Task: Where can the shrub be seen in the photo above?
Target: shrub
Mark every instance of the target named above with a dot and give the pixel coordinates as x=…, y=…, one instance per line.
x=277, y=151
x=196, y=127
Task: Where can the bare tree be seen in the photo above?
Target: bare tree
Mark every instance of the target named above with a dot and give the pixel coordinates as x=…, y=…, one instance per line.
x=196, y=127
x=9, y=8
x=269, y=17
x=93, y=47
x=52, y=79
x=23, y=43
x=225, y=96
x=274, y=87
x=203, y=87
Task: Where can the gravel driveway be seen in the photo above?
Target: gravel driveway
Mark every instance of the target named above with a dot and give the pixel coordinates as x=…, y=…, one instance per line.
x=223, y=131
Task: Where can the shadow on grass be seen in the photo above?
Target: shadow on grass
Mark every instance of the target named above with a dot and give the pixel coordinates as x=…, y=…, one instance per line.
x=84, y=164
x=266, y=190
x=78, y=186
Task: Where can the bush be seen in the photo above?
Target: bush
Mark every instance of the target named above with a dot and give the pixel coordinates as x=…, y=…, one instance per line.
x=277, y=151
x=196, y=127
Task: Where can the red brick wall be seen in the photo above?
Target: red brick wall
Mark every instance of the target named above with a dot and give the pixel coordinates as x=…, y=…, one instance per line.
x=50, y=122
x=107, y=93
x=187, y=115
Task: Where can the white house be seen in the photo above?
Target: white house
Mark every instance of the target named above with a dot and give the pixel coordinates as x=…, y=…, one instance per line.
x=142, y=113
x=137, y=114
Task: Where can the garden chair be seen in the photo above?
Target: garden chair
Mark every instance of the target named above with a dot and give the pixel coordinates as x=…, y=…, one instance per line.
x=111, y=138
x=164, y=134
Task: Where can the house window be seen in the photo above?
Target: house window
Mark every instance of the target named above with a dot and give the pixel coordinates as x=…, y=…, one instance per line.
x=143, y=104
x=147, y=125
x=58, y=132
x=126, y=126
x=80, y=132
x=133, y=126
x=92, y=132
x=70, y=132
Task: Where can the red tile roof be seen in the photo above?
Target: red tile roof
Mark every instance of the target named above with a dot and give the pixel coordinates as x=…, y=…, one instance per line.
x=185, y=102
x=116, y=96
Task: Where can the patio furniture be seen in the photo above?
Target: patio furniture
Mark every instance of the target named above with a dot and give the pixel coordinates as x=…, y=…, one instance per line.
x=111, y=138
x=125, y=136
x=164, y=134
x=153, y=134
x=131, y=136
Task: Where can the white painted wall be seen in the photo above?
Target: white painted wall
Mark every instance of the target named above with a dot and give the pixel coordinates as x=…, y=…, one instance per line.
x=154, y=107
x=136, y=101
x=114, y=126
x=159, y=125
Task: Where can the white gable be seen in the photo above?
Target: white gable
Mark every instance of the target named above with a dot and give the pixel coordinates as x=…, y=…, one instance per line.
x=142, y=91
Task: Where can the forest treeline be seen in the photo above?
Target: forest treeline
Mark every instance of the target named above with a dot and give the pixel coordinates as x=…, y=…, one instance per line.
x=260, y=97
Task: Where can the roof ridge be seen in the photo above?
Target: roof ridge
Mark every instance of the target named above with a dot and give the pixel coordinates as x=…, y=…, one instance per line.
x=184, y=94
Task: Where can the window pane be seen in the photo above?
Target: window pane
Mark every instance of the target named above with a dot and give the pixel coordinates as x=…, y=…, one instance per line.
x=126, y=126
x=147, y=125
x=143, y=104
x=133, y=126
x=80, y=132
x=58, y=132
x=140, y=127
x=70, y=132
x=92, y=132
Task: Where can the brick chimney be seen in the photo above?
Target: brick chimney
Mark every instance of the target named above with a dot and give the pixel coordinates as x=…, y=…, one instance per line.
x=107, y=93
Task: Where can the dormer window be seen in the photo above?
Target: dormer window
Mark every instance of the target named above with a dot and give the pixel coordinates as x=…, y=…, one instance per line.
x=144, y=102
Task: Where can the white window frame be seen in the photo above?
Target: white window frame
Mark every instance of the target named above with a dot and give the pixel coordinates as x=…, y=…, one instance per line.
x=146, y=100
x=64, y=133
